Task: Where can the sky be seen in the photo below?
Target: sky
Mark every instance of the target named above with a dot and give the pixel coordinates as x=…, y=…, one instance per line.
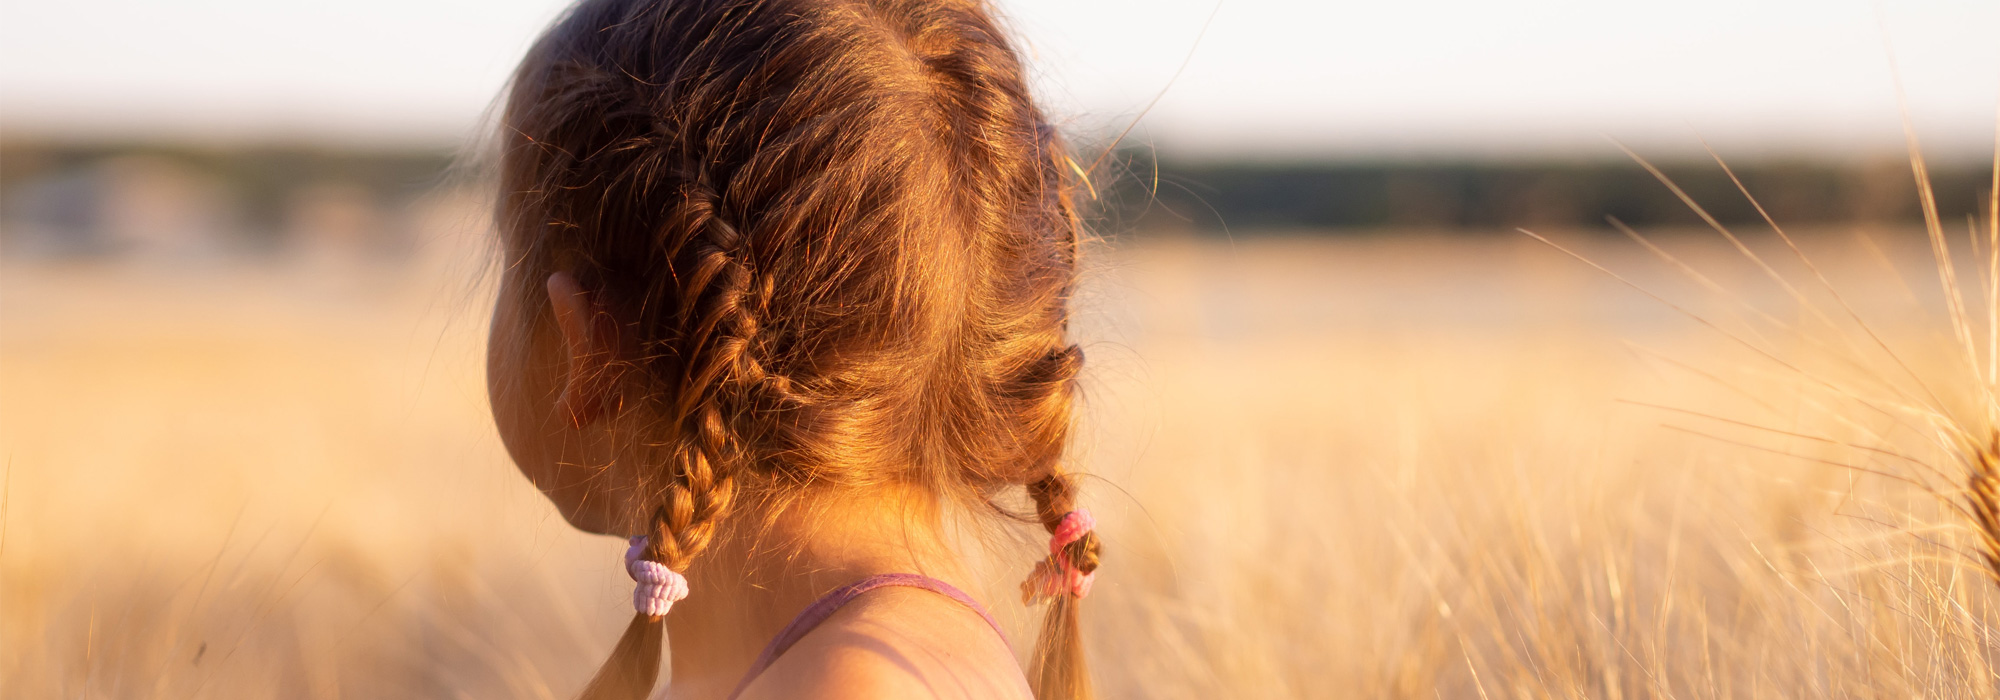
x=1265, y=79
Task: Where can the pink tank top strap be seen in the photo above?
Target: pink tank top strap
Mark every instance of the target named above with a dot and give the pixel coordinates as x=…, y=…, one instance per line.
x=828, y=604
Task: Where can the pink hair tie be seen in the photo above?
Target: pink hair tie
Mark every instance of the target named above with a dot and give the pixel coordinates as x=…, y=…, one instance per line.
x=659, y=587
x=1057, y=575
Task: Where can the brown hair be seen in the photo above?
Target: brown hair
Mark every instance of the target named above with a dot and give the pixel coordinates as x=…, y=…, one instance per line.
x=841, y=239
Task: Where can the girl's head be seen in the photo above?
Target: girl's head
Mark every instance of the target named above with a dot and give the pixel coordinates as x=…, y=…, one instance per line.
x=777, y=248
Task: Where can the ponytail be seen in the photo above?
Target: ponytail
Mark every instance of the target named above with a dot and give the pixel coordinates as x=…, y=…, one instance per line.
x=634, y=664
x=1058, y=671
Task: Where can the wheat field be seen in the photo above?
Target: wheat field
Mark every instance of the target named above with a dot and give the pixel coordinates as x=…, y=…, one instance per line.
x=1401, y=464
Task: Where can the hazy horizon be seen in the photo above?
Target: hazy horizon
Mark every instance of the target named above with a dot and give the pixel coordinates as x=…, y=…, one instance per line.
x=1273, y=79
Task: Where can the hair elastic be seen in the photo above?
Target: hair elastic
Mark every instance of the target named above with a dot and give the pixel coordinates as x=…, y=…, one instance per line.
x=659, y=587
x=1057, y=575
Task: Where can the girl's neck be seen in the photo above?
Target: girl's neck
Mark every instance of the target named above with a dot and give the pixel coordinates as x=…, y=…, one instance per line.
x=759, y=573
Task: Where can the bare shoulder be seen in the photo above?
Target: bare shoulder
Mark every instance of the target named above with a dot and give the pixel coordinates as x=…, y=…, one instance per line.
x=896, y=643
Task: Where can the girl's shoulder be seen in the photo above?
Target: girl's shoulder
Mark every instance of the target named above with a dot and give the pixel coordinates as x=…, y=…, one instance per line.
x=897, y=642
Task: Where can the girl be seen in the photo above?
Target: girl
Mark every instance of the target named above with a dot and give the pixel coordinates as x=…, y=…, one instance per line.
x=786, y=293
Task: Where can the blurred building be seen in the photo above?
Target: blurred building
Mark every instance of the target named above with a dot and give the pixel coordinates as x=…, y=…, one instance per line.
x=177, y=203
x=125, y=205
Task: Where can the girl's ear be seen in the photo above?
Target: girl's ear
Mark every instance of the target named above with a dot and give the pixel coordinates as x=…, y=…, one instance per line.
x=590, y=342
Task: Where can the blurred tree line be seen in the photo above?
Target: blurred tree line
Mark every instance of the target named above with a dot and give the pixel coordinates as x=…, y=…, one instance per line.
x=70, y=199
x=1162, y=194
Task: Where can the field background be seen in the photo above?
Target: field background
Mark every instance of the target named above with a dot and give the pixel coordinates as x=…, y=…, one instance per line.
x=1400, y=463
x=1350, y=434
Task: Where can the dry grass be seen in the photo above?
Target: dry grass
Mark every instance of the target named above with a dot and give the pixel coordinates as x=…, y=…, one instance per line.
x=1423, y=467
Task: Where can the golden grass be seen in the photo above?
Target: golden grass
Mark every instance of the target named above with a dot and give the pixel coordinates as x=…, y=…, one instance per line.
x=1371, y=467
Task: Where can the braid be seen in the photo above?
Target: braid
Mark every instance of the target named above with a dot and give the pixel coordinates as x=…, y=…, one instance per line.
x=1058, y=670
x=1054, y=499
x=717, y=332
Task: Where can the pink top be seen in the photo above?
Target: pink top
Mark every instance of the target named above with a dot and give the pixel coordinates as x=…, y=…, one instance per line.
x=824, y=608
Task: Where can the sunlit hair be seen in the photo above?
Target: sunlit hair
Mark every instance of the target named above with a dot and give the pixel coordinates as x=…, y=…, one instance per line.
x=841, y=237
